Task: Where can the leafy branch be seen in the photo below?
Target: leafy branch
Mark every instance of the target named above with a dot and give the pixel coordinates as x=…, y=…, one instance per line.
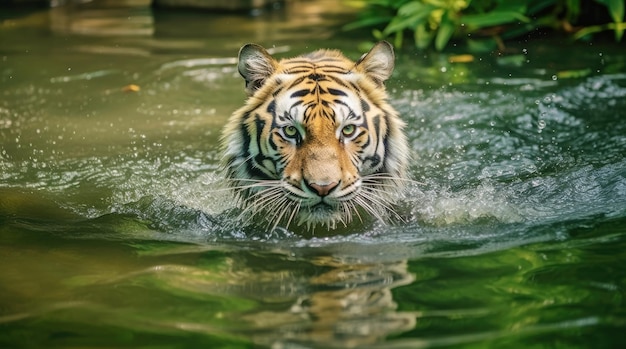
x=482, y=23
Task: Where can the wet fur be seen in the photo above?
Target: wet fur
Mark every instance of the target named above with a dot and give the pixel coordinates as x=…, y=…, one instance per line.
x=316, y=143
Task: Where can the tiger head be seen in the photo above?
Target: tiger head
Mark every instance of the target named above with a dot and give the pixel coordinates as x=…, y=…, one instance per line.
x=316, y=142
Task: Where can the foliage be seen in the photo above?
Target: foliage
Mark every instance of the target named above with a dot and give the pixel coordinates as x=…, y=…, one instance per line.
x=481, y=23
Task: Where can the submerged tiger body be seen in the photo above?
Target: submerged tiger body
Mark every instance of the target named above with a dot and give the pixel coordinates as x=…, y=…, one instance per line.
x=317, y=142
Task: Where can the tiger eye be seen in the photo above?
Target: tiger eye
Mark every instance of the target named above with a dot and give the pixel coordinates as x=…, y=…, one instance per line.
x=348, y=130
x=290, y=131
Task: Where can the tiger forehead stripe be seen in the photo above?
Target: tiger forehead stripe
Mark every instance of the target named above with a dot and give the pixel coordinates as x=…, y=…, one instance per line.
x=313, y=111
x=298, y=67
x=318, y=91
x=317, y=77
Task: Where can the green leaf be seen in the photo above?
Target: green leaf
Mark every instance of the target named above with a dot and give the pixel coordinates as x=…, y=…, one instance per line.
x=366, y=22
x=572, y=10
x=538, y=6
x=414, y=8
x=378, y=35
x=492, y=19
x=400, y=23
x=518, y=30
x=422, y=36
x=586, y=32
x=446, y=29
x=616, y=9
x=397, y=42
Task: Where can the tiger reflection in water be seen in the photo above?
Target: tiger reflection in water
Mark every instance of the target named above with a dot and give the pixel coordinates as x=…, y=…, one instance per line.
x=348, y=306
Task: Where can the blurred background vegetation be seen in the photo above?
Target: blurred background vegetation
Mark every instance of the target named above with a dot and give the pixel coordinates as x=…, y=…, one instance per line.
x=474, y=25
x=485, y=25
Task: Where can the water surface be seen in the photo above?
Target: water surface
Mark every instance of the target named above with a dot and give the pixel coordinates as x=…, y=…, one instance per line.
x=115, y=229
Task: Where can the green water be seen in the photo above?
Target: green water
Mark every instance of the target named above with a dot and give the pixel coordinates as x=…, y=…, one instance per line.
x=114, y=230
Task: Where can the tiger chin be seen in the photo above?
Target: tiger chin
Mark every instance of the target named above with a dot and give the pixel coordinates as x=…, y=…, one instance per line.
x=316, y=143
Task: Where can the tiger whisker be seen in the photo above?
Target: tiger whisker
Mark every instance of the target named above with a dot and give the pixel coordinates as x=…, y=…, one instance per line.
x=294, y=212
x=266, y=191
x=386, y=184
x=390, y=176
x=280, y=210
x=255, y=205
x=356, y=210
x=383, y=202
x=368, y=207
x=243, y=162
x=255, y=180
x=267, y=204
x=264, y=194
x=272, y=205
x=345, y=208
x=256, y=184
x=376, y=191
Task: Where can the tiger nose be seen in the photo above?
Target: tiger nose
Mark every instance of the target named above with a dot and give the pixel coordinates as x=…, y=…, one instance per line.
x=322, y=189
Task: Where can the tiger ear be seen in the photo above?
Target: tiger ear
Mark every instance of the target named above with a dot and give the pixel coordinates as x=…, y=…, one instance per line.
x=378, y=63
x=255, y=65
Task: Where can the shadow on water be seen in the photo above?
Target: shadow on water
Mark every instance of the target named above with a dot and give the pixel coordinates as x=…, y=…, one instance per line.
x=115, y=229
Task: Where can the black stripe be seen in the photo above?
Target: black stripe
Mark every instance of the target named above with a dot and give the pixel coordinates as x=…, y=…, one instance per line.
x=374, y=159
x=338, y=81
x=271, y=108
x=317, y=77
x=376, y=121
x=339, y=70
x=298, y=71
x=246, y=137
x=275, y=93
x=365, y=106
x=296, y=82
x=301, y=93
x=254, y=166
x=336, y=92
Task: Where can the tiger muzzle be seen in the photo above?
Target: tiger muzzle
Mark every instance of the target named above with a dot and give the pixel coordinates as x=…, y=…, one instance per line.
x=322, y=189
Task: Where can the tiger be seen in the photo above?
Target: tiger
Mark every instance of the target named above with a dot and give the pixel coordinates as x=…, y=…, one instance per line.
x=317, y=142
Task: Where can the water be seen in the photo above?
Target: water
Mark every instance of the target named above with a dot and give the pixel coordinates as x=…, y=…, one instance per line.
x=115, y=230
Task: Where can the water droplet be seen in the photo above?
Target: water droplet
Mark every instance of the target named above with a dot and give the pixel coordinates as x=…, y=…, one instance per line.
x=541, y=124
x=554, y=77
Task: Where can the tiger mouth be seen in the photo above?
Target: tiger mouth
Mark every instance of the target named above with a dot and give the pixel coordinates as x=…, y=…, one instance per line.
x=323, y=207
x=321, y=213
